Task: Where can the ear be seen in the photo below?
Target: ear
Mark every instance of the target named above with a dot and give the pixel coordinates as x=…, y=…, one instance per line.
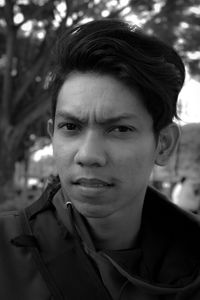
x=167, y=142
x=50, y=127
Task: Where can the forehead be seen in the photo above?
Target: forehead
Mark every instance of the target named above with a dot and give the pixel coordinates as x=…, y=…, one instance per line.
x=99, y=96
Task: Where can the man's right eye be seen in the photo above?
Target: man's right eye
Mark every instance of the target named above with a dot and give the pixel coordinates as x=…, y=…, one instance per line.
x=68, y=126
x=71, y=126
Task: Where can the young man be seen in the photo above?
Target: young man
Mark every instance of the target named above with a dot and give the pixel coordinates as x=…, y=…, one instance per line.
x=100, y=232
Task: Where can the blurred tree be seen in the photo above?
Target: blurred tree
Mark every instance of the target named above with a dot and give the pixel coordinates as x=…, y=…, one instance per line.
x=176, y=22
x=188, y=163
x=28, y=30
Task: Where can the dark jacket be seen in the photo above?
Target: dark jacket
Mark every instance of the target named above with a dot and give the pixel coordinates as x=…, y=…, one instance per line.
x=41, y=259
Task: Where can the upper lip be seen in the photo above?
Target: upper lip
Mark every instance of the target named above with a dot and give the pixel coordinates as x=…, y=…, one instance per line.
x=91, y=181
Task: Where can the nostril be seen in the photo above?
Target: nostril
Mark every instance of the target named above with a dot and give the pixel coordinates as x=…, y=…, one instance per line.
x=90, y=158
x=91, y=150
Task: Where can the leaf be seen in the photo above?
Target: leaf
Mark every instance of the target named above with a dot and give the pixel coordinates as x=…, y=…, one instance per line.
x=40, y=13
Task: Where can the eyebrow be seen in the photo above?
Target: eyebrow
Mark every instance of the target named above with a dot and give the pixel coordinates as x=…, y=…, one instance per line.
x=71, y=116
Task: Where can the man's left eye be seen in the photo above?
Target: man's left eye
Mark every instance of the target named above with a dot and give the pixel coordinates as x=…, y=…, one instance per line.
x=122, y=128
x=68, y=126
x=71, y=126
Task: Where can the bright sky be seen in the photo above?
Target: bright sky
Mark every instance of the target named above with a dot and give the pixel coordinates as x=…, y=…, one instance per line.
x=190, y=100
x=46, y=151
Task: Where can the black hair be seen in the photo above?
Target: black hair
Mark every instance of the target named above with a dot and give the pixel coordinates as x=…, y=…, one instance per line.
x=137, y=59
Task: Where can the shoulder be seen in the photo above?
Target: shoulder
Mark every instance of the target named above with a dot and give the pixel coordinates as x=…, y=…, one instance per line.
x=9, y=218
x=163, y=205
x=171, y=219
x=10, y=226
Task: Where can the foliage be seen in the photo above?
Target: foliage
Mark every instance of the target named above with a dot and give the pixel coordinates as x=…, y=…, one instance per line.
x=188, y=151
x=28, y=30
x=178, y=23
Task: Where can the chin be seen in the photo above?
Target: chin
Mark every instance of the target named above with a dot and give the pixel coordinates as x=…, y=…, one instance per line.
x=92, y=211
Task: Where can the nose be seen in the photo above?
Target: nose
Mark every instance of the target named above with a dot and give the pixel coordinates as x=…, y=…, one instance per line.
x=91, y=152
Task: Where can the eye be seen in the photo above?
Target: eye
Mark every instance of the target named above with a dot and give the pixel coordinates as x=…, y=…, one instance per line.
x=69, y=126
x=122, y=128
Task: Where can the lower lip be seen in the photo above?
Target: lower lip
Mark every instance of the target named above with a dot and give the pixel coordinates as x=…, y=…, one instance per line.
x=92, y=189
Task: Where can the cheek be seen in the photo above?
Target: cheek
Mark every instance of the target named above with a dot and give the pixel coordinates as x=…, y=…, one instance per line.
x=62, y=153
x=135, y=161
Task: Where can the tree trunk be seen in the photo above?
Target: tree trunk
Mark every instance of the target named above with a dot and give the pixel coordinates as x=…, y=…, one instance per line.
x=9, y=146
x=6, y=174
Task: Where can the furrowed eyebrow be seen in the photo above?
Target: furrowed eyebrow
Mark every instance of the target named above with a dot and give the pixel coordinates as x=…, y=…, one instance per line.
x=69, y=116
x=103, y=121
x=117, y=119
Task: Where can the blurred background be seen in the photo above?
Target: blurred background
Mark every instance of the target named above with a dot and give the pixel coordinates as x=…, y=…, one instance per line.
x=28, y=30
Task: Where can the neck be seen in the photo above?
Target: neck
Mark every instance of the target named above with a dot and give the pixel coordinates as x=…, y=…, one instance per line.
x=118, y=231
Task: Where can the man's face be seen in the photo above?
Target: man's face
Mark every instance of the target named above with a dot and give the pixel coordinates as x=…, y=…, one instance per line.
x=103, y=144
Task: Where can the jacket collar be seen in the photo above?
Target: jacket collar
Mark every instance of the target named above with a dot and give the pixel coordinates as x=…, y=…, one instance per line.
x=170, y=243
x=169, y=237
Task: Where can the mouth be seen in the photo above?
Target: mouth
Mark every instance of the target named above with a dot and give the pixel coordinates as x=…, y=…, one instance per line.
x=92, y=183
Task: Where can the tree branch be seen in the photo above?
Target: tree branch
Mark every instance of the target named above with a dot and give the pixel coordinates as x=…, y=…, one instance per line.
x=8, y=13
x=43, y=58
x=34, y=112
x=7, y=79
x=36, y=14
x=29, y=79
x=41, y=62
x=116, y=13
x=69, y=5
